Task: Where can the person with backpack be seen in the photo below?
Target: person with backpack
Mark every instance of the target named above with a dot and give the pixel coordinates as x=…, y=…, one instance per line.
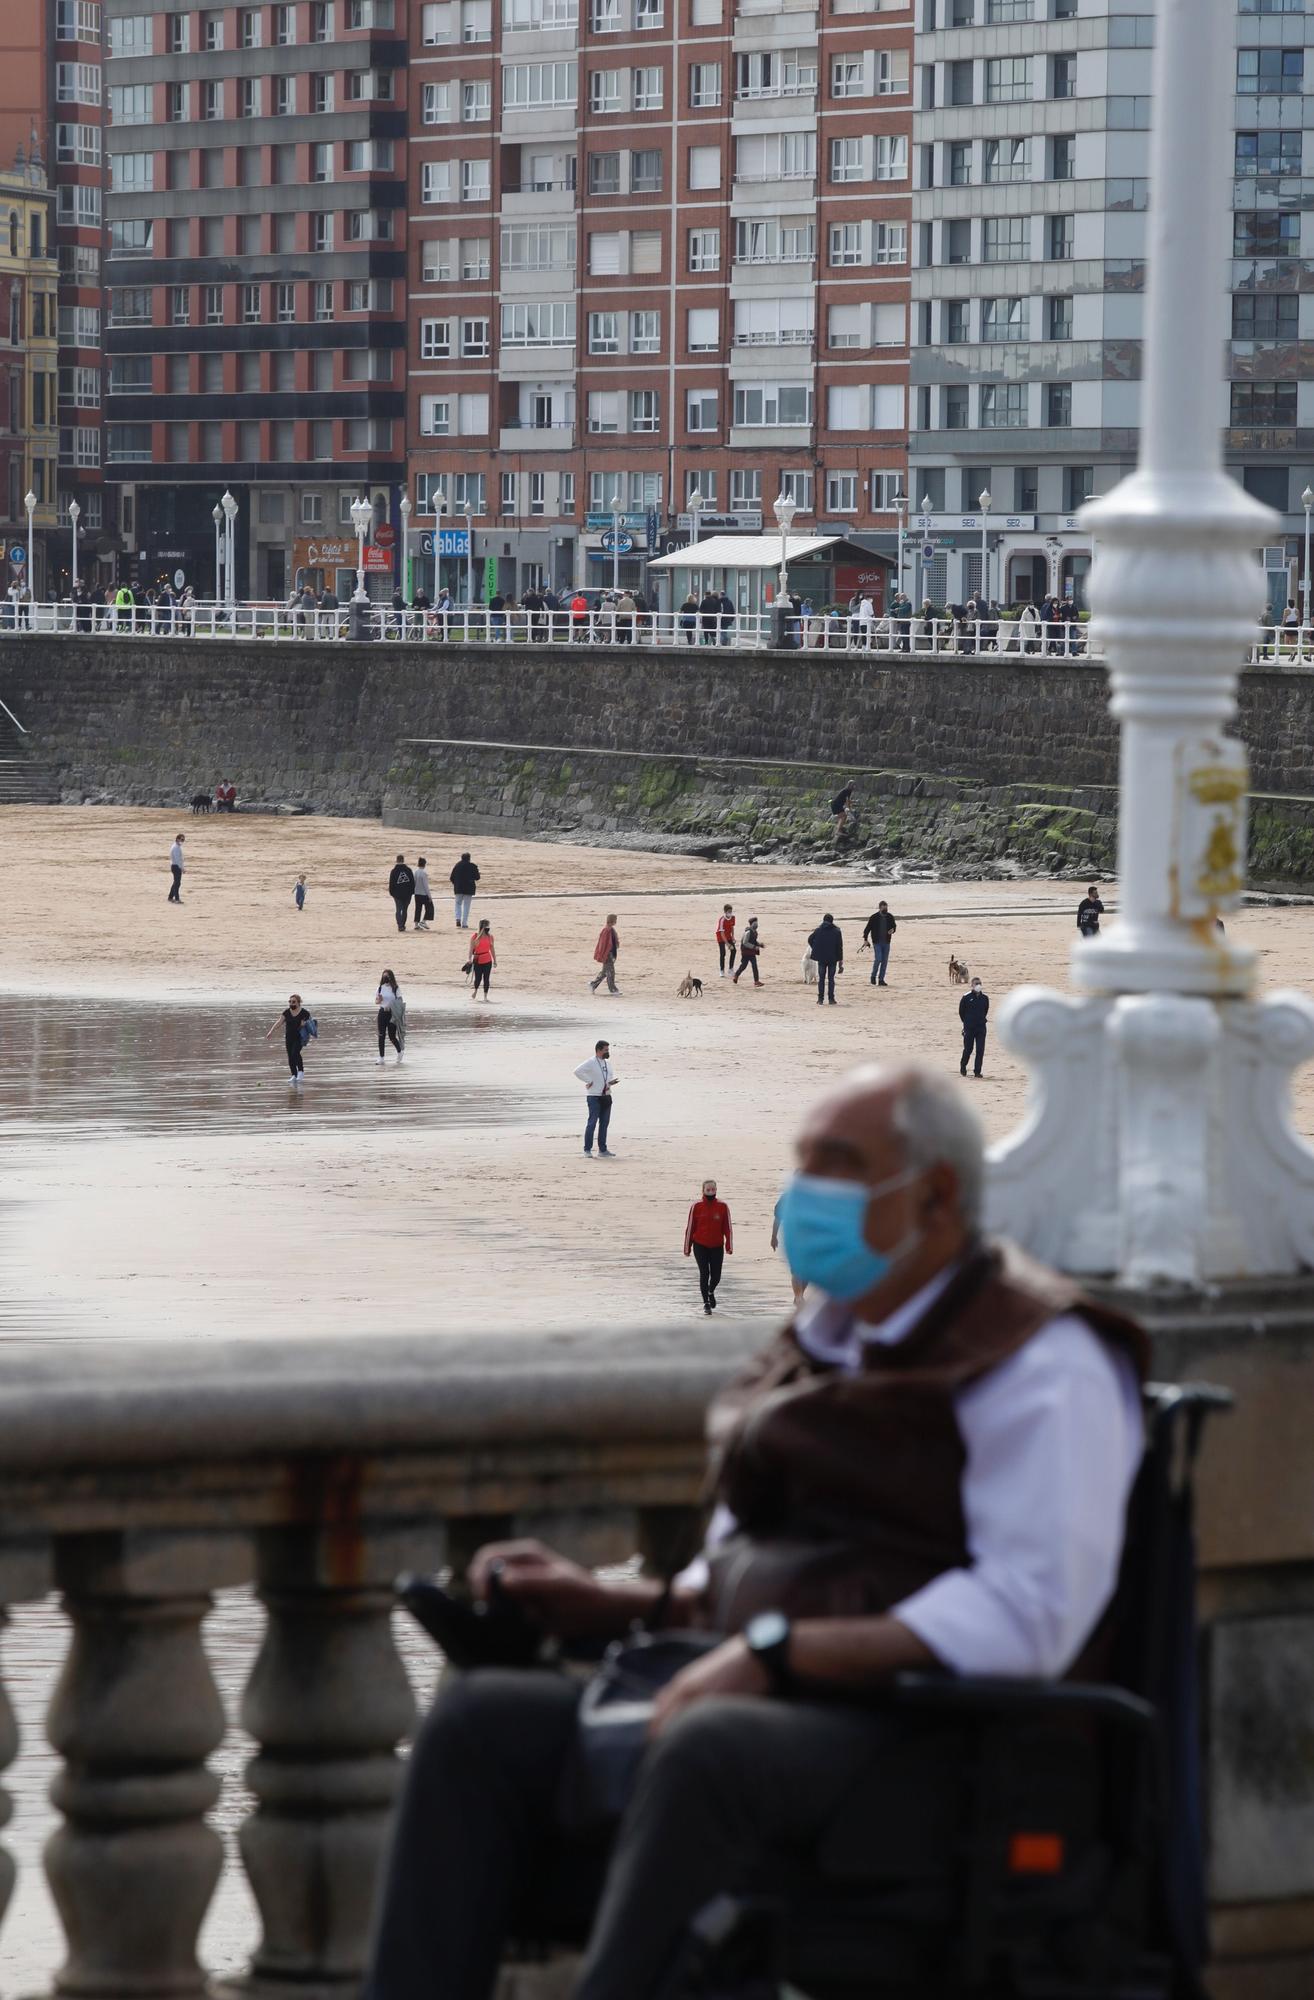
x=298, y=1027
x=605, y=953
x=464, y=879
x=749, y=947
x=483, y=957
x=401, y=887
x=391, y=1017
x=1089, y=911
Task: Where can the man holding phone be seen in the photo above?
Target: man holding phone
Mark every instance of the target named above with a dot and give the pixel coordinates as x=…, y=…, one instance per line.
x=599, y=1080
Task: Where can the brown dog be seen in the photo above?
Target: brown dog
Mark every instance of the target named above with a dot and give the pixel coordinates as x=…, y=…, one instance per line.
x=689, y=987
x=958, y=973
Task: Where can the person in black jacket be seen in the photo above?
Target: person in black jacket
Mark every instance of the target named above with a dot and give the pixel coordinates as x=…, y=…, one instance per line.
x=827, y=947
x=880, y=928
x=1089, y=911
x=401, y=887
x=464, y=879
x=972, y=1011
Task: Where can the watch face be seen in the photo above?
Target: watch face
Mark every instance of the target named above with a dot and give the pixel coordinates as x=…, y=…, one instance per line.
x=768, y=1629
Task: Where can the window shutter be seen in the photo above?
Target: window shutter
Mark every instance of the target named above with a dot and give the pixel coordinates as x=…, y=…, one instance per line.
x=646, y=252
x=604, y=255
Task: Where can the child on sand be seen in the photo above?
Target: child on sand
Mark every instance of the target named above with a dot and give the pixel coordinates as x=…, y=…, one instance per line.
x=299, y=893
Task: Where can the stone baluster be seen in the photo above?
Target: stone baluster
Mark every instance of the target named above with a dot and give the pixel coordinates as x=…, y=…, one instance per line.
x=24, y=1573
x=328, y=1702
x=135, y=1715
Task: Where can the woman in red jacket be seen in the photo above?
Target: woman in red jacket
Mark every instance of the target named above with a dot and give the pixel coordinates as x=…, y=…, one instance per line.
x=709, y=1235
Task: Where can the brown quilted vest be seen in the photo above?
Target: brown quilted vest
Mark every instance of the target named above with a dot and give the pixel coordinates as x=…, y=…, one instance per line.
x=847, y=1487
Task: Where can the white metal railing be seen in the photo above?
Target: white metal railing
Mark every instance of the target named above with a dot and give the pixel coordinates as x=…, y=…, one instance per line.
x=603, y=624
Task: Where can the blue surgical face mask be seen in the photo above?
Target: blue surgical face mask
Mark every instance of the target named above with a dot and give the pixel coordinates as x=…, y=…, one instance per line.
x=821, y=1223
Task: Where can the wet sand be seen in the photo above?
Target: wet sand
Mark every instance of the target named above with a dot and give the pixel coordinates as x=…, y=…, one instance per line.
x=163, y=1179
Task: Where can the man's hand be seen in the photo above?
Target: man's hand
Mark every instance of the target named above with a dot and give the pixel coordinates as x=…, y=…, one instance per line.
x=565, y=1598
x=730, y=1669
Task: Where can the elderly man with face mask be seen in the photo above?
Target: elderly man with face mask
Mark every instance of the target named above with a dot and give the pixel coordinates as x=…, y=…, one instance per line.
x=929, y=1466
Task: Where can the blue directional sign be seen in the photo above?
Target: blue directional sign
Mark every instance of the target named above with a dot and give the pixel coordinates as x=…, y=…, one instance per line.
x=622, y=544
x=18, y=555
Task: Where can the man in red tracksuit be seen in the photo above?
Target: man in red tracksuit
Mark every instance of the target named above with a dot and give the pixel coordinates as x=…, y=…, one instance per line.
x=709, y=1235
x=725, y=937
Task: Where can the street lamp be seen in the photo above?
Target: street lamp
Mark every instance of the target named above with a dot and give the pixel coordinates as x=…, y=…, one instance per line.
x=617, y=507
x=695, y=513
x=30, y=500
x=983, y=500
x=217, y=516
x=901, y=509
x=406, y=548
x=469, y=560
x=74, y=515
x=362, y=513
x=229, y=506
x=785, y=510
x=1306, y=501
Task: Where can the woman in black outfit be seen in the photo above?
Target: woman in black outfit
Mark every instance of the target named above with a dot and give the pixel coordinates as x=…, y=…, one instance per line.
x=291, y=1020
x=388, y=1002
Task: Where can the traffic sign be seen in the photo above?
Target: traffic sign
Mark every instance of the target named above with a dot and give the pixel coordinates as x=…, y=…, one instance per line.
x=928, y=552
x=620, y=544
x=384, y=535
x=18, y=556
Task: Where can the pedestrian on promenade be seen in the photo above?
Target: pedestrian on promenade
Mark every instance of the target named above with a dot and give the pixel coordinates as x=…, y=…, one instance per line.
x=725, y=937
x=796, y=1284
x=708, y=1234
x=709, y=615
x=299, y=893
x=176, y=867
x=401, y=887
x=1089, y=911
x=749, y=947
x=826, y=944
x=840, y=807
x=298, y=1027
x=423, y=896
x=464, y=879
x=391, y=1022
x=483, y=956
x=972, y=1011
x=879, y=930
x=605, y=953
x=599, y=1080
x=689, y=619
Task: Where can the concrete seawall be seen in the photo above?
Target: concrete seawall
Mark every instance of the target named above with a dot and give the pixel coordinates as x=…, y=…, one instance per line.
x=334, y=728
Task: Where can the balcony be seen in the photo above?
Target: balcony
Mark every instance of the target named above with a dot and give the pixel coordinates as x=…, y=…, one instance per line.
x=556, y=436
x=546, y=198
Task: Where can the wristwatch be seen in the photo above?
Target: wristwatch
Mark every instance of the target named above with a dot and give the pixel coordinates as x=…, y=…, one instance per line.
x=767, y=1639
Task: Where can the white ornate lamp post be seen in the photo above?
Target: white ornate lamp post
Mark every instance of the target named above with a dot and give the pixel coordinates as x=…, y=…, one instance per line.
x=229, y=506
x=362, y=513
x=784, y=510
x=469, y=559
x=901, y=509
x=405, y=512
x=217, y=516
x=1157, y=1148
x=695, y=515
x=617, y=510
x=30, y=502
x=984, y=500
x=1306, y=501
x=74, y=515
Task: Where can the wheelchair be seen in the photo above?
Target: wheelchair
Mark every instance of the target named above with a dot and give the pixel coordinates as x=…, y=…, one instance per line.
x=1061, y=1860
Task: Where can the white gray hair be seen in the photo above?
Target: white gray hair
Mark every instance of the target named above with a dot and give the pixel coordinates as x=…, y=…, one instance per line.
x=935, y=1124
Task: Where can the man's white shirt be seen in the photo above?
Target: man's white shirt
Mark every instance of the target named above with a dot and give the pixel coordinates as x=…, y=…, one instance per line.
x=595, y=1075
x=176, y=855
x=1053, y=1438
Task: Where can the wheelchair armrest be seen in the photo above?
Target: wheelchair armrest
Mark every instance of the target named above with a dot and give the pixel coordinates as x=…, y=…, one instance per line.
x=982, y=1695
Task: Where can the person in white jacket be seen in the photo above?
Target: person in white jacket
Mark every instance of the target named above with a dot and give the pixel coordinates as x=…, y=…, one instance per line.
x=599, y=1080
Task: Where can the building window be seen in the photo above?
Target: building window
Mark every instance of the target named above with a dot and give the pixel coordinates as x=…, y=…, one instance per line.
x=772, y=404
x=248, y=28
x=178, y=34
x=1060, y=233
x=550, y=323
x=1063, y=76
x=1058, y=316
x=701, y=410
x=646, y=172
x=475, y=180
x=845, y=244
x=1265, y=233
x=1007, y=160
x=704, y=249
x=285, y=304
x=321, y=302
x=604, y=333
x=249, y=305
x=776, y=156
x=885, y=489
x=1270, y=72
x=1007, y=79
x=645, y=410
x=1005, y=239
x=848, y=76
x=704, y=330
x=474, y=339
x=1078, y=486
x=605, y=91
x=604, y=173
x=476, y=102
x=469, y=493
x=180, y=305
x=130, y=104
x=1058, y=405
x=1003, y=406
x=1263, y=405
x=841, y=492
x=1265, y=316
x=1063, y=158
x=889, y=243
x=369, y=14
x=321, y=20
x=285, y=96
x=1273, y=152
x=436, y=183
x=647, y=94
x=79, y=21
x=77, y=83
x=953, y=410
x=846, y=160
x=527, y=85
x=797, y=486
x=645, y=333
x=321, y=93
x=704, y=86
x=960, y=163
x=284, y=26
x=704, y=167
x=435, y=339
x=249, y=97
x=1004, y=319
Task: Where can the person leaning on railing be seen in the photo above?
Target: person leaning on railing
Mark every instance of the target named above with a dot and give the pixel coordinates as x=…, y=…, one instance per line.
x=930, y=1467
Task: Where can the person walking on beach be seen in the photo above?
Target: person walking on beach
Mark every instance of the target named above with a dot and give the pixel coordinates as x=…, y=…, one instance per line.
x=464, y=879
x=750, y=946
x=708, y=1234
x=796, y=1284
x=176, y=867
x=972, y=1011
x=1089, y=911
x=423, y=898
x=483, y=956
x=299, y=893
x=605, y=953
x=879, y=930
x=392, y=1014
x=826, y=943
x=296, y=1023
x=725, y=937
x=599, y=1080
x=401, y=887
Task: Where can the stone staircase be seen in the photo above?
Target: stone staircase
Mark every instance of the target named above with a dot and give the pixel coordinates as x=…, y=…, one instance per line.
x=24, y=779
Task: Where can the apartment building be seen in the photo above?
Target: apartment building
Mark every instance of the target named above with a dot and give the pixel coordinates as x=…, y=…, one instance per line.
x=28, y=378
x=52, y=108
x=658, y=267
x=1031, y=139
x=255, y=266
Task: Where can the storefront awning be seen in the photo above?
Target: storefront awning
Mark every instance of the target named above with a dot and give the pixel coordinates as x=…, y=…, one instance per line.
x=745, y=551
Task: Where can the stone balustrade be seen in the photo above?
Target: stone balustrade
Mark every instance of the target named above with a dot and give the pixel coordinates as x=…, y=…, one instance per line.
x=138, y=1479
